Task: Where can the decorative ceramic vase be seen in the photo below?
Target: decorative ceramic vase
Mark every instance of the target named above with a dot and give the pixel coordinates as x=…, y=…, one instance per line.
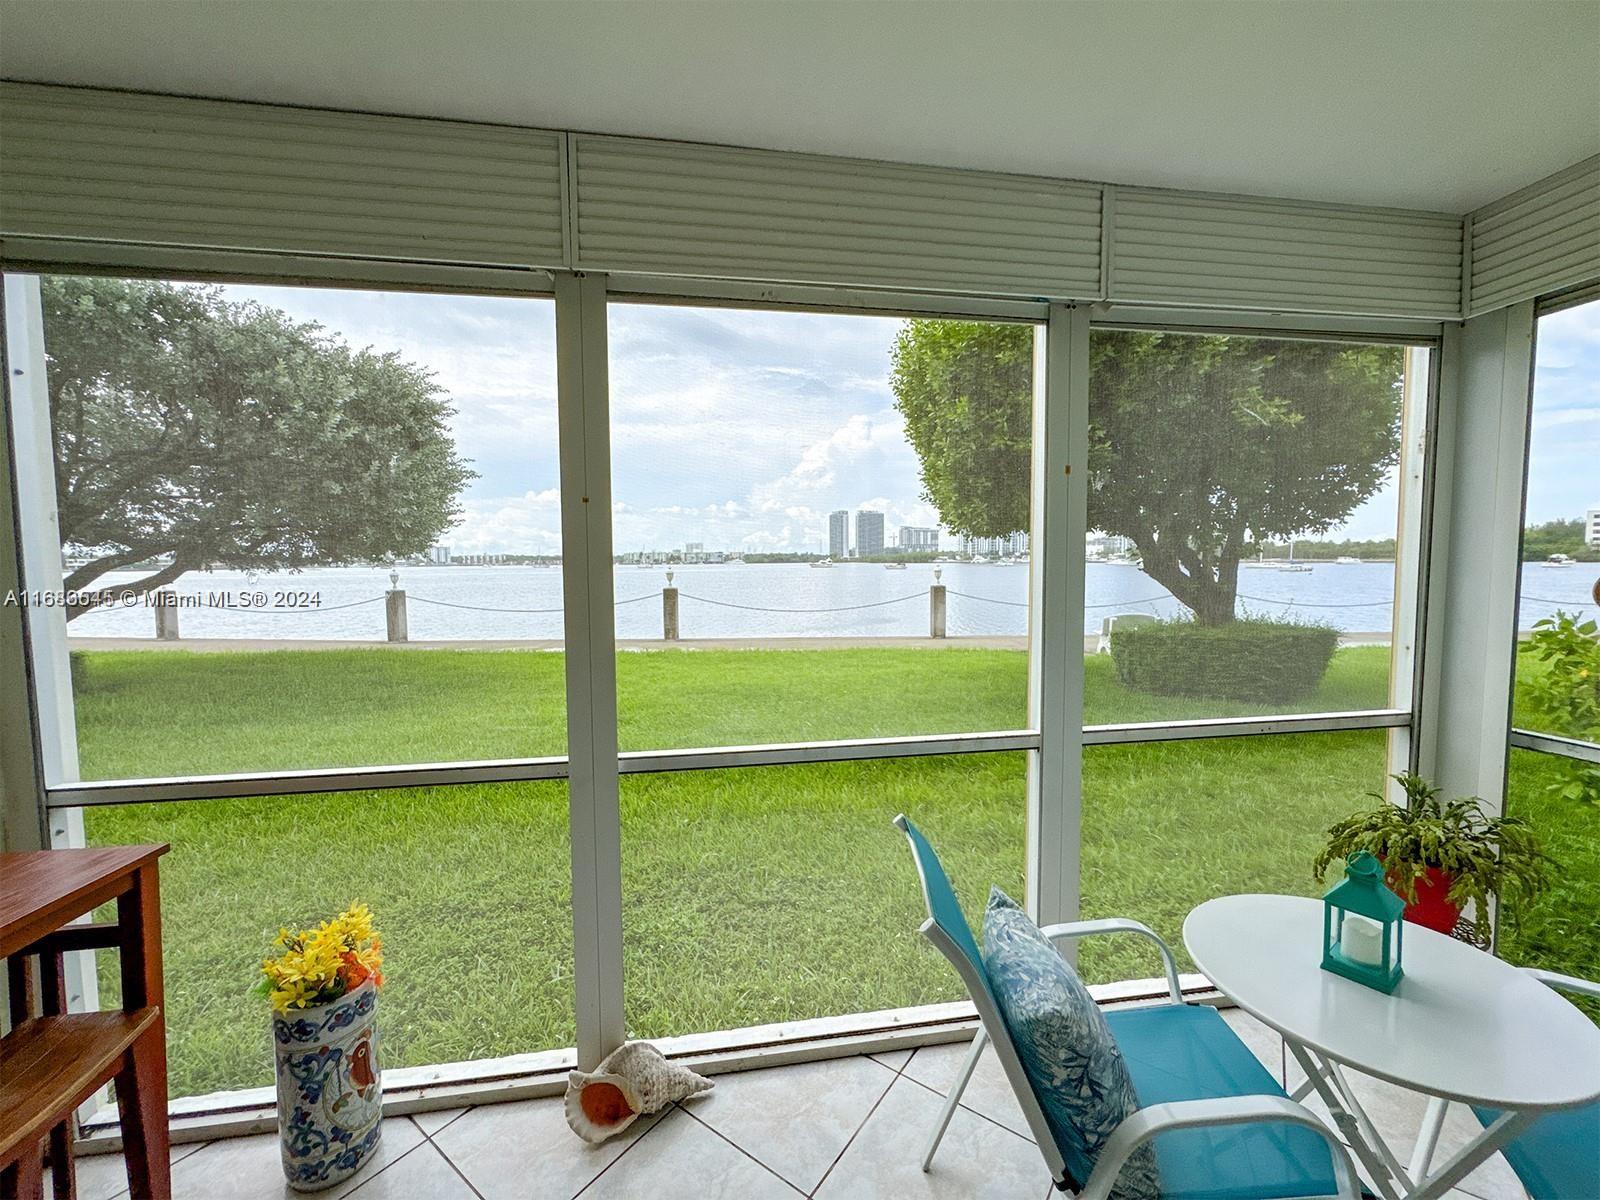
x=330, y=1094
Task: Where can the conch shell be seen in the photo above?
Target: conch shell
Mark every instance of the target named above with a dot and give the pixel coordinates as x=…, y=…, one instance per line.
x=635, y=1079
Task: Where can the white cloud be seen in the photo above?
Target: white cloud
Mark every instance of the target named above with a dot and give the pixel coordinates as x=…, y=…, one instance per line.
x=526, y=524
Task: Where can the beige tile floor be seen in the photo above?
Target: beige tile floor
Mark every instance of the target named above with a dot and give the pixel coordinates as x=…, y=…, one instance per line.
x=848, y=1128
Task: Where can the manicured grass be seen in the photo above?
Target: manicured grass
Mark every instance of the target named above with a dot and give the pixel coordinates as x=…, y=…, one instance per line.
x=750, y=896
x=1561, y=930
x=180, y=712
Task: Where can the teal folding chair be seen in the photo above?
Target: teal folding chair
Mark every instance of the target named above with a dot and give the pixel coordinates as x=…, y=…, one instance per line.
x=1558, y=1158
x=1222, y=1125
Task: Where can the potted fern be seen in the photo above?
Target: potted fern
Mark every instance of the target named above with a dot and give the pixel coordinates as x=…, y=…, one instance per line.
x=1441, y=856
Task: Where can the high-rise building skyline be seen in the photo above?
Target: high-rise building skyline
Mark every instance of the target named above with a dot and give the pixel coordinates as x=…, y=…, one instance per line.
x=918, y=537
x=869, y=532
x=839, y=534
x=1012, y=545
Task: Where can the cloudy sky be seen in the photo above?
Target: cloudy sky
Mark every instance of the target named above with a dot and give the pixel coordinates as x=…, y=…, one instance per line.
x=743, y=430
x=1564, y=457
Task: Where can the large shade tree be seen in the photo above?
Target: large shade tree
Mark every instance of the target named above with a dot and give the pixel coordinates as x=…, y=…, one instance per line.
x=1198, y=445
x=192, y=433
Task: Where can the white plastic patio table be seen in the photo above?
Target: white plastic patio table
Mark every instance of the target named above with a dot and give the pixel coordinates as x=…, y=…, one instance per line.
x=1461, y=1026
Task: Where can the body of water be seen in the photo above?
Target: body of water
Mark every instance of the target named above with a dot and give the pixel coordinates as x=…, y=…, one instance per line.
x=757, y=600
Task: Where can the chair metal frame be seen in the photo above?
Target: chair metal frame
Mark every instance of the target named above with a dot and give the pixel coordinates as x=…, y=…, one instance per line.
x=1438, y=1107
x=1140, y=1127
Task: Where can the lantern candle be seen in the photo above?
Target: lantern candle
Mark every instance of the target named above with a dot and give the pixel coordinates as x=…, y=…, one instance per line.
x=1361, y=940
x=1362, y=922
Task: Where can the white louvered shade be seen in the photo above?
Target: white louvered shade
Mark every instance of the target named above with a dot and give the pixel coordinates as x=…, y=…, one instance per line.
x=159, y=170
x=1539, y=240
x=173, y=176
x=713, y=211
x=1239, y=252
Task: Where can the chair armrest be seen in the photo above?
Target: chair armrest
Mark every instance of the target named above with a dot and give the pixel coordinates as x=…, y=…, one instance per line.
x=1223, y=1110
x=1077, y=929
x=1565, y=983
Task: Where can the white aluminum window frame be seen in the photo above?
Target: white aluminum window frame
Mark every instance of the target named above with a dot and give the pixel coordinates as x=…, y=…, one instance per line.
x=1517, y=737
x=593, y=764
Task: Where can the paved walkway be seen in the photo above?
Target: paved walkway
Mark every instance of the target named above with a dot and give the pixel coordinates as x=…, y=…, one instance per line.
x=212, y=645
x=224, y=645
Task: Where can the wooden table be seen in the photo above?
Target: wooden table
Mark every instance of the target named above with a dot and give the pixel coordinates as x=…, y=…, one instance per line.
x=52, y=1061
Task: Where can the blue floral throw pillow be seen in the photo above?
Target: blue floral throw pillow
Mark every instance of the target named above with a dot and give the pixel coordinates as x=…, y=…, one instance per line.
x=1065, y=1046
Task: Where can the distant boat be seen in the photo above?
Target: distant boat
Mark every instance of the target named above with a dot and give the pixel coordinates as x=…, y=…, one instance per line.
x=978, y=558
x=823, y=562
x=1297, y=567
x=1345, y=558
x=1560, y=560
x=1261, y=563
x=894, y=566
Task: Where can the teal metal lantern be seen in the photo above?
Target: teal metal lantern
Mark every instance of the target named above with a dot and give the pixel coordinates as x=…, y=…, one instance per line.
x=1361, y=925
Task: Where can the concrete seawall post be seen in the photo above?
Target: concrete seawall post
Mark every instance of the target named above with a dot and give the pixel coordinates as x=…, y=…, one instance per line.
x=669, y=611
x=936, y=608
x=394, y=609
x=166, y=603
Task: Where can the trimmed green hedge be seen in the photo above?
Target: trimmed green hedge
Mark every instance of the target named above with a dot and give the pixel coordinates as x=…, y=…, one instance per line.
x=1272, y=662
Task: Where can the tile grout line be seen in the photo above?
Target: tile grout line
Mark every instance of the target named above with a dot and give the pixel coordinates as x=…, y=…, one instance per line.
x=195, y=1148
x=413, y=1118
x=717, y=1133
x=428, y=1138
x=451, y=1163
x=966, y=1108
x=654, y=1125
x=395, y=1161
x=851, y=1140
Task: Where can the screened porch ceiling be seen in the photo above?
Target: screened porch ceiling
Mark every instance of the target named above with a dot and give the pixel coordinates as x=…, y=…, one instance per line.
x=1436, y=106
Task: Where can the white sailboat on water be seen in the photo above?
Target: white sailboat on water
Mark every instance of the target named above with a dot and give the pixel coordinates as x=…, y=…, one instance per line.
x=1291, y=565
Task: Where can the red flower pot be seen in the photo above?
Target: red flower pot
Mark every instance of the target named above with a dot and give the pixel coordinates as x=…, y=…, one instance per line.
x=1432, y=908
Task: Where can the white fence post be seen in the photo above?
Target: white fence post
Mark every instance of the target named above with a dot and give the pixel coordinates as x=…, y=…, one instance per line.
x=669, y=611
x=394, y=609
x=936, y=606
x=166, y=602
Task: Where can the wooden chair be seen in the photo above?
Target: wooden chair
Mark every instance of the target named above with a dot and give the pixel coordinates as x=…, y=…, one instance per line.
x=51, y=1061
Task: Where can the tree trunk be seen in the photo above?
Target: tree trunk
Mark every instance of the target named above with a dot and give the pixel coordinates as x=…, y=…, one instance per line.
x=156, y=579
x=1211, y=597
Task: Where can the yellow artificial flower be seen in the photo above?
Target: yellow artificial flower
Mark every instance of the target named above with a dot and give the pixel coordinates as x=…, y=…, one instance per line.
x=315, y=966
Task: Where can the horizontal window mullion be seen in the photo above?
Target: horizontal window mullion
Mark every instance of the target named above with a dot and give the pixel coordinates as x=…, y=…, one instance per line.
x=294, y=783
x=1550, y=743
x=1177, y=731
x=639, y=762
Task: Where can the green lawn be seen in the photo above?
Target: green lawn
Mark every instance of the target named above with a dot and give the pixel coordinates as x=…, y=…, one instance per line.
x=750, y=896
x=181, y=712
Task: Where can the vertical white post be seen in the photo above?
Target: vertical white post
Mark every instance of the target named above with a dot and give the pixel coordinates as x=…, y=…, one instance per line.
x=1417, y=422
x=1055, y=663
x=39, y=538
x=22, y=819
x=1469, y=653
x=39, y=526
x=583, y=399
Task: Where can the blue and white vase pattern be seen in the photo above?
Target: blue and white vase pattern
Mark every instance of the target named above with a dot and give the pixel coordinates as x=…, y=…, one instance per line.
x=330, y=1090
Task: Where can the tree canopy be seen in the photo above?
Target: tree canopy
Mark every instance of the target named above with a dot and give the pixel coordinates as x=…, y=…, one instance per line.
x=197, y=433
x=1198, y=444
x=1539, y=542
